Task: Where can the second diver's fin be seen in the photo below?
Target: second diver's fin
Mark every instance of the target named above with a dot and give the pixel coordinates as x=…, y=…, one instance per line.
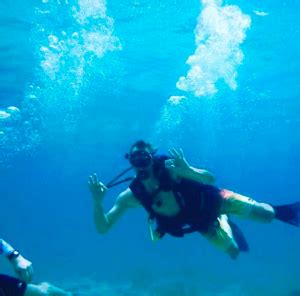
x=288, y=213
x=239, y=237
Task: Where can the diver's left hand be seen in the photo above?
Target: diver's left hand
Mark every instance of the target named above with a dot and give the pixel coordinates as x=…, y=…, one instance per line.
x=23, y=268
x=178, y=163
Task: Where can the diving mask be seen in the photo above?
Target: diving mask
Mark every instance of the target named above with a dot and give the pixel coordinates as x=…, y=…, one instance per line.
x=140, y=159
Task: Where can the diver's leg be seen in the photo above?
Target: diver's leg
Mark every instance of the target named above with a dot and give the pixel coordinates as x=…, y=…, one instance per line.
x=45, y=289
x=243, y=206
x=221, y=236
x=11, y=286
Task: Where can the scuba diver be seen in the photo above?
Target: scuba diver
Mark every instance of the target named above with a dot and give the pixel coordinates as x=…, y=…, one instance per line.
x=11, y=286
x=181, y=199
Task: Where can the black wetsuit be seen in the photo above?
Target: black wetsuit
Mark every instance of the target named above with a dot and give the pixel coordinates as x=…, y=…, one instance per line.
x=10, y=286
x=199, y=203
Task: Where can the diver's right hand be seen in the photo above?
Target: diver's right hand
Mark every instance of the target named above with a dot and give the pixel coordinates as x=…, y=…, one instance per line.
x=97, y=188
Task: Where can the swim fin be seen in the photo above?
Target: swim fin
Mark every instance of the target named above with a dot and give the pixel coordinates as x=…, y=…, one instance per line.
x=239, y=237
x=288, y=213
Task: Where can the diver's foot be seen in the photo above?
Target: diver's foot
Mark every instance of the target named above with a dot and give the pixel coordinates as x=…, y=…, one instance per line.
x=233, y=251
x=288, y=213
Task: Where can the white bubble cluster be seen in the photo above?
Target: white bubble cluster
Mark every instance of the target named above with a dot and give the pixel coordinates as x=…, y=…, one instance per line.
x=219, y=33
x=71, y=43
x=175, y=100
x=173, y=114
x=4, y=115
x=91, y=8
x=90, y=35
x=260, y=13
x=70, y=39
x=10, y=113
x=10, y=119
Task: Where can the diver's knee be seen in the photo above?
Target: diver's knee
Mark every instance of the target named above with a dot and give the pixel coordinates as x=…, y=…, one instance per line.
x=47, y=289
x=51, y=290
x=41, y=289
x=262, y=212
x=44, y=289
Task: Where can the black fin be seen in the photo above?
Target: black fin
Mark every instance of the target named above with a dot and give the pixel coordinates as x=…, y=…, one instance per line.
x=239, y=237
x=288, y=213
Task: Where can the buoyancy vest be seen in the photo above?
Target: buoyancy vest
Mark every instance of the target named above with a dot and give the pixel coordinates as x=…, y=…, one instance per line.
x=199, y=203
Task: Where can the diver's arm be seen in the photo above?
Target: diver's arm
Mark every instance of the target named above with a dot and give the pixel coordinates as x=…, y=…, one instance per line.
x=5, y=248
x=100, y=218
x=180, y=168
x=104, y=222
x=22, y=266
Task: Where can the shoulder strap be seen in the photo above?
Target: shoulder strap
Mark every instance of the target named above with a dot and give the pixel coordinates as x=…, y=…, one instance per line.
x=140, y=193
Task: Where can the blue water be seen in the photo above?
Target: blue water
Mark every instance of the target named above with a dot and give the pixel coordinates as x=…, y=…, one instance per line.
x=81, y=80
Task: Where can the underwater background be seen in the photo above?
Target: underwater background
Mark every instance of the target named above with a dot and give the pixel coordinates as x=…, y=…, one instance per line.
x=81, y=80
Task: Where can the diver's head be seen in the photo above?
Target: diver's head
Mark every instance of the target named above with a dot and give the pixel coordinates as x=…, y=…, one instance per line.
x=140, y=157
